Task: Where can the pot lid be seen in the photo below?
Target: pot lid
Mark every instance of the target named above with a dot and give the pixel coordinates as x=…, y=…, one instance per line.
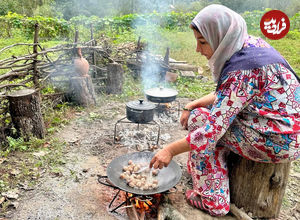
x=141, y=105
x=161, y=92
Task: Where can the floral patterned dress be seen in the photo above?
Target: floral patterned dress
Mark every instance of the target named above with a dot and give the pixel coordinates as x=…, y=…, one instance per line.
x=255, y=115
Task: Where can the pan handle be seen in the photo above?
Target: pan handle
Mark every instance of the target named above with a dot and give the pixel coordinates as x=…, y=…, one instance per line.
x=105, y=183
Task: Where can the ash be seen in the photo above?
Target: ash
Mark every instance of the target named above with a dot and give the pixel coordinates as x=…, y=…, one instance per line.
x=144, y=136
x=141, y=139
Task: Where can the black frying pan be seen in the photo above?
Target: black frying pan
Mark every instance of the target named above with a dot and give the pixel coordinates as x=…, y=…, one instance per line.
x=167, y=177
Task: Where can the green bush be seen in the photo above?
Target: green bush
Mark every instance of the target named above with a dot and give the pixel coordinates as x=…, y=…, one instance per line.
x=50, y=28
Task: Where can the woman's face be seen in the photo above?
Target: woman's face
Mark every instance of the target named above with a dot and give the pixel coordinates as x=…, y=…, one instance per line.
x=203, y=46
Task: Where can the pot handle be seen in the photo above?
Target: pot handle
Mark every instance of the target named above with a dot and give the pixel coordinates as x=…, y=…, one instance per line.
x=105, y=183
x=136, y=111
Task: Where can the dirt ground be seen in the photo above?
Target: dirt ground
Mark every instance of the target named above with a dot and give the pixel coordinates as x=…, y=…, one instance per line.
x=76, y=193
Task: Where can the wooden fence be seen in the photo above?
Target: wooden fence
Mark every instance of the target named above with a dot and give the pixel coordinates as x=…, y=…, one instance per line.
x=53, y=66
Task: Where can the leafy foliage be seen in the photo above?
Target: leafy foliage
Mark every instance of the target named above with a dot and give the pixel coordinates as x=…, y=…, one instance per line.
x=49, y=27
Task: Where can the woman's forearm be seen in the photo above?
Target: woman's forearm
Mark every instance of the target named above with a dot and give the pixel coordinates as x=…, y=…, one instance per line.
x=202, y=102
x=178, y=147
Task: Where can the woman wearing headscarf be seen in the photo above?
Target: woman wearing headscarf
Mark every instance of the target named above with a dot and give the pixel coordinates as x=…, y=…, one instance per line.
x=255, y=109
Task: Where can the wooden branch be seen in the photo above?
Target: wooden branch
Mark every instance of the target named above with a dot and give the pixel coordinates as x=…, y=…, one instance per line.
x=14, y=60
x=136, y=216
x=241, y=215
x=16, y=66
x=17, y=44
x=13, y=73
x=11, y=85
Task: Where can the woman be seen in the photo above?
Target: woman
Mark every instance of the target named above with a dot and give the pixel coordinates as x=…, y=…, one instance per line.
x=255, y=111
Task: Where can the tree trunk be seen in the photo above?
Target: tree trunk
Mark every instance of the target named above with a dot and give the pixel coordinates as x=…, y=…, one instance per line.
x=25, y=111
x=257, y=187
x=83, y=91
x=114, y=84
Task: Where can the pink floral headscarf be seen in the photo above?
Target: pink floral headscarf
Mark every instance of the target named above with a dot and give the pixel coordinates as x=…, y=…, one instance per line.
x=224, y=30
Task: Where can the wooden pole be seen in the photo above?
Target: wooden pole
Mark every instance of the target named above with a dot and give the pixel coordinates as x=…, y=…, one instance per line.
x=93, y=53
x=76, y=38
x=35, y=51
x=138, y=49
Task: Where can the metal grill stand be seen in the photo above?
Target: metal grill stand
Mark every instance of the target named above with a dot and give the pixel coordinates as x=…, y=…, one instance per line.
x=143, y=198
x=122, y=120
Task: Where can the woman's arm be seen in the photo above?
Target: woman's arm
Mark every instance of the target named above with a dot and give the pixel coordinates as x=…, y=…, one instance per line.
x=163, y=157
x=202, y=102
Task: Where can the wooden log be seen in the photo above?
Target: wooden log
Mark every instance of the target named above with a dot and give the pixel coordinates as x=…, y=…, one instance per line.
x=238, y=213
x=25, y=111
x=257, y=187
x=184, y=67
x=114, y=84
x=82, y=90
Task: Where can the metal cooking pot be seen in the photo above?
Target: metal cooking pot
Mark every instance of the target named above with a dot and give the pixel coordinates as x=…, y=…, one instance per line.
x=161, y=95
x=167, y=177
x=140, y=111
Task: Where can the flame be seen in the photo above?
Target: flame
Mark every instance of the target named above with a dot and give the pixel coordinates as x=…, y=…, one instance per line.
x=168, y=105
x=143, y=205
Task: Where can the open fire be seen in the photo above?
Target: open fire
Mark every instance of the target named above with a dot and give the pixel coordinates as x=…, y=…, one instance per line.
x=142, y=207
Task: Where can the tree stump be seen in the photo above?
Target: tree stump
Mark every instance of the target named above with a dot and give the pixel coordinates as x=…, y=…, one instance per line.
x=82, y=90
x=114, y=84
x=26, y=115
x=257, y=187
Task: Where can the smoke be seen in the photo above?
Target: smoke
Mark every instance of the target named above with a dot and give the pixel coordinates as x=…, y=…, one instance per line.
x=149, y=31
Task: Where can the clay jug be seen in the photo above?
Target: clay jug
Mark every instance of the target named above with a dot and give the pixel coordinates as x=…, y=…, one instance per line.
x=81, y=64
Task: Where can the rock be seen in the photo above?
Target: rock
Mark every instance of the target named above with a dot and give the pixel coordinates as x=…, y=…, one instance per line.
x=13, y=194
x=14, y=205
x=40, y=153
x=200, y=70
x=188, y=74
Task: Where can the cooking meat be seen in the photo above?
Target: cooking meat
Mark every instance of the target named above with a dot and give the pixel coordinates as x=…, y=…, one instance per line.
x=143, y=181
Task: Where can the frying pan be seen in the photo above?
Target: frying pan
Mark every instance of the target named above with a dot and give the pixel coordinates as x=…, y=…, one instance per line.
x=167, y=177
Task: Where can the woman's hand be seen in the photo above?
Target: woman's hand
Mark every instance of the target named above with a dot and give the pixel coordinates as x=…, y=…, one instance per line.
x=184, y=119
x=161, y=159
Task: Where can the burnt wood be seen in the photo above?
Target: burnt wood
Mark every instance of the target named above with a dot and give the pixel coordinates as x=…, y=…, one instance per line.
x=25, y=111
x=257, y=187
